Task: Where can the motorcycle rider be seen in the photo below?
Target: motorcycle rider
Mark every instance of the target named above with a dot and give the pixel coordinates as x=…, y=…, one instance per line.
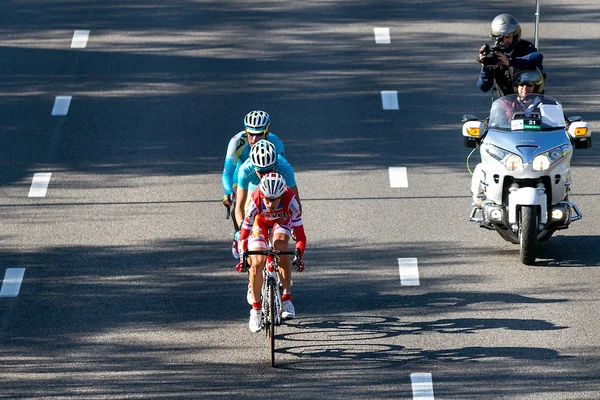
x=510, y=53
x=256, y=127
x=526, y=83
x=272, y=206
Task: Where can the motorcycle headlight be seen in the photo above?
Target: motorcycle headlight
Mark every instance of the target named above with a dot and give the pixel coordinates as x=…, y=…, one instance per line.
x=513, y=163
x=543, y=161
x=540, y=163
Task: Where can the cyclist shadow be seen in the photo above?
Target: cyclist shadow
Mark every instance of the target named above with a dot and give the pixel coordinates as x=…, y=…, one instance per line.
x=370, y=340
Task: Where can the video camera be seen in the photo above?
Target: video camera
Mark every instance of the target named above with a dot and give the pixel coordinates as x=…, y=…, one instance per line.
x=490, y=60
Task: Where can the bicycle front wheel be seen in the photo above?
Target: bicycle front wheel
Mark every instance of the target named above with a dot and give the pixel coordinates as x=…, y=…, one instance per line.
x=273, y=317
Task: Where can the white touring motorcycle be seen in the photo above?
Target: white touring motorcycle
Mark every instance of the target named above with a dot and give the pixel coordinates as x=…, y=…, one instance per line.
x=521, y=187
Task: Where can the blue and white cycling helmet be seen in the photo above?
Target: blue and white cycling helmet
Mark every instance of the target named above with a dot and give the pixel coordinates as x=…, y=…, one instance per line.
x=263, y=156
x=272, y=185
x=257, y=121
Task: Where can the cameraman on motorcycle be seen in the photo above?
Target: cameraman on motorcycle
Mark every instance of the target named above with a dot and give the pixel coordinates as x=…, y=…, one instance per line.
x=509, y=53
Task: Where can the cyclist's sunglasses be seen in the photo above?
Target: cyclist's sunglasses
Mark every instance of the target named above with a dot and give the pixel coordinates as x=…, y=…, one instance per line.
x=528, y=84
x=261, y=133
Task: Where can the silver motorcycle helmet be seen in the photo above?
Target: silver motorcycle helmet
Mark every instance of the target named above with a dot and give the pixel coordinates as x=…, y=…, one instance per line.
x=502, y=25
x=530, y=77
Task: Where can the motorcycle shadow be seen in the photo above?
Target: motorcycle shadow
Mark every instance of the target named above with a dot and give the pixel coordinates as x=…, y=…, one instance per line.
x=569, y=251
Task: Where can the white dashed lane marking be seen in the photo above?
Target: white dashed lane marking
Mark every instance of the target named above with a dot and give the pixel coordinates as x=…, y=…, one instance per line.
x=80, y=39
x=382, y=35
x=39, y=184
x=389, y=99
x=61, y=105
x=422, y=386
x=409, y=271
x=398, y=177
x=11, y=285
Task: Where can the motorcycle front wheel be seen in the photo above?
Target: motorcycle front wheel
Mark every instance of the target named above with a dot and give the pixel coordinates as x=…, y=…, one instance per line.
x=528, y=234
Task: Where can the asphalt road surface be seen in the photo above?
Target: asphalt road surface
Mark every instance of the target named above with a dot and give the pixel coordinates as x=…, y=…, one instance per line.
x=118, y=277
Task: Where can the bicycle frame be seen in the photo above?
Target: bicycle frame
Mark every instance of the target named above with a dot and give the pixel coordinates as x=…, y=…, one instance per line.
x=272, y=305
x=270, y=275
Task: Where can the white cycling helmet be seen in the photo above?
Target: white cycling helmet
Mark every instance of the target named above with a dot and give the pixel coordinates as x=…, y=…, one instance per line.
x=272, y=185
x=257, y=121
x=263, y=155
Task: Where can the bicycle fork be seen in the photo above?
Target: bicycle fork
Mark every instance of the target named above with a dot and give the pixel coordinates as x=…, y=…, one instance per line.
x=271, y=279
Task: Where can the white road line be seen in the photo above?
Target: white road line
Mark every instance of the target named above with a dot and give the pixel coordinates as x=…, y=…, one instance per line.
x=409, y=271
x=398, y=177
x=422, y=386
x=39, y=185
x=80, y=39
x=12, y=282
x=61, y=105
x=389, y=99
x=382, y=35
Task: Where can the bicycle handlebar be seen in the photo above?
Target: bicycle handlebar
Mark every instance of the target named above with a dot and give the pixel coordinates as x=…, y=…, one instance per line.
x=269, y=252
x=295, y=263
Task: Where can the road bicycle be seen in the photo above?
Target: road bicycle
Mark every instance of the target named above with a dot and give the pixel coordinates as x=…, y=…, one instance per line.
x=272, y=306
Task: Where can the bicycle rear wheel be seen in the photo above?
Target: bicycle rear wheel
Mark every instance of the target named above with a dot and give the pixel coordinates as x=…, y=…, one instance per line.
x=273, y=317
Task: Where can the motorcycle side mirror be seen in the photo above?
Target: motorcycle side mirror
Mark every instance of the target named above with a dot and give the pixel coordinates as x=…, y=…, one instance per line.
x=469, y=117
x=575, y=118
x=472, y=131
x=580, y=134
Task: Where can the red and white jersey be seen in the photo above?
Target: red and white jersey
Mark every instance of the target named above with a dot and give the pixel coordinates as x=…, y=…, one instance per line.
x=287, y=214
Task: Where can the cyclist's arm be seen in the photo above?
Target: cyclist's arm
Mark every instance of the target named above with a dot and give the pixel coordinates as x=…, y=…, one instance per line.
x=240, y=202
x=300, y=238
x=246, y=227
x=297, y=224
x=234, y=148
x=279, y=148
x=295, y=190
x=245, y=172
x=284, y=168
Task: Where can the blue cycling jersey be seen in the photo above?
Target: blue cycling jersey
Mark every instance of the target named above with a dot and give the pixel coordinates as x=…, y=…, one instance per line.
x=249, y=180
x=238, y=151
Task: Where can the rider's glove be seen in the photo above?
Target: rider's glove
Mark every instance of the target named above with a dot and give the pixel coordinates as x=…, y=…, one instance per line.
x=228, y=199
x=298, y=263
x=241, y=267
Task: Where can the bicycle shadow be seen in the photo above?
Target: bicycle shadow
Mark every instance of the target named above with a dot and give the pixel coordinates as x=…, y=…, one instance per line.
x=364, y=342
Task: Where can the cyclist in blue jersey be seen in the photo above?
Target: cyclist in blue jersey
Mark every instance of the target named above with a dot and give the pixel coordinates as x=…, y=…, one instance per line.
x=263, y=159
x=256, y=127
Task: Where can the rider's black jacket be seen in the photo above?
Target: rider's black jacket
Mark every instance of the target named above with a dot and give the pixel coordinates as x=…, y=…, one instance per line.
x=523, y=56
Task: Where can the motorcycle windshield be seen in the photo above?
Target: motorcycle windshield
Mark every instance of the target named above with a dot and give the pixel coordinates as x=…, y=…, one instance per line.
x=534, y=112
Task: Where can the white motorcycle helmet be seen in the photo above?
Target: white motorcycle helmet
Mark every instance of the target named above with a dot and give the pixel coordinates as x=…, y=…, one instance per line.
x=502, y=25
x=532, y=77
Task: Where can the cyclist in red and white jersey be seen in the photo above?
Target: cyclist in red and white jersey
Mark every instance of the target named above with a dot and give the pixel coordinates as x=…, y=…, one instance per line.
x=272, y=207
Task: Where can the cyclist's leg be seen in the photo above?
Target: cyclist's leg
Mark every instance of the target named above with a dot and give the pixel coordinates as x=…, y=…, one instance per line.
x=257, y=241
x=281, y=239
